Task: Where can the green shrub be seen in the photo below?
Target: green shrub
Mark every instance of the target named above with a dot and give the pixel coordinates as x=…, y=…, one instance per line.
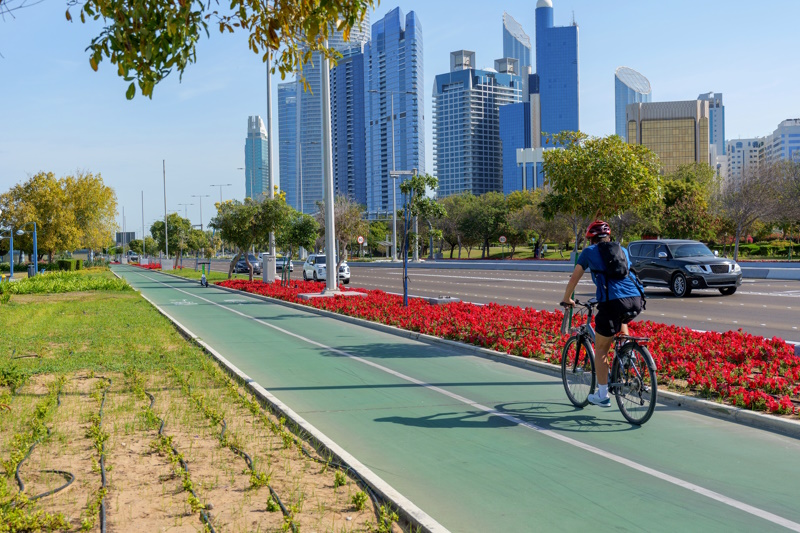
x=78, y=264
x=57, y=282
x=66, y=264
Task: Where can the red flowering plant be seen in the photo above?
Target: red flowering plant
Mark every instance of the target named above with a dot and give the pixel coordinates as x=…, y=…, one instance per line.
x=736, y=367
x=150, y=266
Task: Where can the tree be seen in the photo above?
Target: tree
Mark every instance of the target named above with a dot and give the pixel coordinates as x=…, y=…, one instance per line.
x=688, y=193
x=147, y=41
x=95, y=207
x=485, y=218
x=417, y=204
x=456, y=207
x=378, y=232
x=348, y=222
x=599, y=177
x=178, y=229
x=42, y=199
x=300, y=231
x=757, y=194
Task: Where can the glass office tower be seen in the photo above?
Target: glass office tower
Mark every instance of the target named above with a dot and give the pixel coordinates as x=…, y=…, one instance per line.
x=466, y=124
x=287, y=134
x=630, y=87
x=517, y=44
x=393, y=78
x=347, y=125
x=515, y=132
x=557, y=70
x=309, y=172
x=256, y=162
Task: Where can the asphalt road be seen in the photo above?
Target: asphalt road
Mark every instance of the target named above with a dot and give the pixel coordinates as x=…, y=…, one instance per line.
x=770, y=308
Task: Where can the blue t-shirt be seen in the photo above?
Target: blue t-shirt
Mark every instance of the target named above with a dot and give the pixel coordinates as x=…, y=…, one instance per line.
x=617, y=288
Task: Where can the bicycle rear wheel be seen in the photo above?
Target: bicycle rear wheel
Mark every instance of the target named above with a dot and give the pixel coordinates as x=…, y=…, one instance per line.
x=577, y=370
x=635, y=384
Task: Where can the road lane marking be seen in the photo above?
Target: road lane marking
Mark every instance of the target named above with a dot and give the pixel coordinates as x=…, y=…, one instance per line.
x=716, y=496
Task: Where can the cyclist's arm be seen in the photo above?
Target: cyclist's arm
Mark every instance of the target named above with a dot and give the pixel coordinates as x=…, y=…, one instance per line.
x=576, y=276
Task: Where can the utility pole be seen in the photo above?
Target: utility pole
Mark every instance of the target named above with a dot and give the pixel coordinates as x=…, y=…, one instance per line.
x=166, y=234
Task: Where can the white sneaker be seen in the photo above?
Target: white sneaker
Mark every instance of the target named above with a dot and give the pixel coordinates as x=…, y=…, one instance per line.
x=594, y=399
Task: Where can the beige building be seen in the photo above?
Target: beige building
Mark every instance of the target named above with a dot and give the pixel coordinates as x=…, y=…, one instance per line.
x=676, y=131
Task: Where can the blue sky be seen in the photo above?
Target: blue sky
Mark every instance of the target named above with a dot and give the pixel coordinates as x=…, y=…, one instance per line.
x=57, y=115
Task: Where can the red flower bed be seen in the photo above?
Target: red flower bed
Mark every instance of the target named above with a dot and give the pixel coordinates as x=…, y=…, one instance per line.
x=150, y=266
x=742, y=369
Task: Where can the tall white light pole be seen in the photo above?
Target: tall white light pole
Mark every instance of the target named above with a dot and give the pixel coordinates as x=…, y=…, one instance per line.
x=271, y=263
x=332, y=275
x=166, y=234
x=200, y=201
x=144, y=248
x=221, y=185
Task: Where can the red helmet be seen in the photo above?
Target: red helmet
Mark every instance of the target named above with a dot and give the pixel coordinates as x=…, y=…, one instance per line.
x=598, y=228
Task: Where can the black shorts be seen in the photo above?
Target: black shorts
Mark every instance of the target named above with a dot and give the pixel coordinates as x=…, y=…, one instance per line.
x=613, y=313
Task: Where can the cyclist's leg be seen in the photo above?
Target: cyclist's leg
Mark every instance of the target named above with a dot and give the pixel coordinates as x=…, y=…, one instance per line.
x=602, y=345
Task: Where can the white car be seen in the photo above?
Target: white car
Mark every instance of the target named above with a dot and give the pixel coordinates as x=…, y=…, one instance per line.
x=315, y=268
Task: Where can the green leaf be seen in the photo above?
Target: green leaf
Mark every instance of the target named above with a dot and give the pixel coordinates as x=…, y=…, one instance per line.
x=131, y=92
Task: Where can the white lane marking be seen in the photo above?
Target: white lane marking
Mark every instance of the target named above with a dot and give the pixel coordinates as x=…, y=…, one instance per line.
x=478, y=278
x=747, y=508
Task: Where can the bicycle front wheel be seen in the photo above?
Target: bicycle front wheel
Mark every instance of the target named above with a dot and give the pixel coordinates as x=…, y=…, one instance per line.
x=635, y=384
x=577, y=370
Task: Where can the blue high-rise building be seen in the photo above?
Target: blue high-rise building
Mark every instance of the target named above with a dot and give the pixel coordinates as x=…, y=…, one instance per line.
x=557, y=72
x=515, y=133
x=630, y=87
x=716, y=124
x=517, y=44
x=394, y=106
x=466, y=123
x=287, y=135
x=347, y=125
x=308, y=135
x=256, y=161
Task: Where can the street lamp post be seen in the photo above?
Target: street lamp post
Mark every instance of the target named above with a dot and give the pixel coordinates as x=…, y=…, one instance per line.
x=332, y=275
x=394, y=184
x=200, y=201
x=35, y=247
x=185, y=207
x=221, y=185
x=396, y=174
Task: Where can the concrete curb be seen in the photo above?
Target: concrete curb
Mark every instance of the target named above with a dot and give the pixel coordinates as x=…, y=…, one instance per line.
x=730, y=413
x=405, y=507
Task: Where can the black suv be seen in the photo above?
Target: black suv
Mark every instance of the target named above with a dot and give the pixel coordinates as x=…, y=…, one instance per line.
x=683, y=265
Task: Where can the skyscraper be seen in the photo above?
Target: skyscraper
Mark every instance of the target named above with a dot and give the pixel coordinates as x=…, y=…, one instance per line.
x=466, y=123
x=630, y=87
x=347, y=125
x=515, y=133
x=745, y=155
x=395, y=110
x=557, y=71
x=256, y=162
x=716, y=121
x=517, y=44
x=309, y=171
x=676, y=131
x=287, y=134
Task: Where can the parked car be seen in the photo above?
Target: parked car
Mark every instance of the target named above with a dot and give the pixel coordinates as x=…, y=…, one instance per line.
x=315, y=268
x=683, y=265
x=282, y=262
x=241, y=265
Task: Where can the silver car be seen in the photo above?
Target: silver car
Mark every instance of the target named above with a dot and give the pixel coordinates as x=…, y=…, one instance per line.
x=315, y=268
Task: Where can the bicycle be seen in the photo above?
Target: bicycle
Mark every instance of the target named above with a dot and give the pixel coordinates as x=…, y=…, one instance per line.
x=632, y=379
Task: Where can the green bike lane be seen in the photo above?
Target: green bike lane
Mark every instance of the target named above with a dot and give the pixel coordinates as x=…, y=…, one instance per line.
x=481, y=445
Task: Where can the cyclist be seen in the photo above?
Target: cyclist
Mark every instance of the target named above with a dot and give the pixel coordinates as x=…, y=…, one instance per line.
x=620, y=300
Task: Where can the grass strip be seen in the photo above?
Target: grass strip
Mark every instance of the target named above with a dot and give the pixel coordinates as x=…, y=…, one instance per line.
x=61, y=282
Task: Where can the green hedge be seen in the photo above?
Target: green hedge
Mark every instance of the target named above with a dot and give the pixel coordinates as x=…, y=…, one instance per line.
x=763, y=250
x=53, y=282
x=67, y=264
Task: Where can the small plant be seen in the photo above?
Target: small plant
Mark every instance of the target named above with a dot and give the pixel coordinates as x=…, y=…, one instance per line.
x=387, y=517
x=339, y=479
x=272, y=505
x=359, y=500
x=258, y=479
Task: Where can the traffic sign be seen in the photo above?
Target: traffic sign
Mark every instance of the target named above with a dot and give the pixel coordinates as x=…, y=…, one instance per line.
x=360, y=239
x=502, y=238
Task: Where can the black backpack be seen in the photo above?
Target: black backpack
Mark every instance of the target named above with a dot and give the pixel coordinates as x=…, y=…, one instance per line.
x=614, y=260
